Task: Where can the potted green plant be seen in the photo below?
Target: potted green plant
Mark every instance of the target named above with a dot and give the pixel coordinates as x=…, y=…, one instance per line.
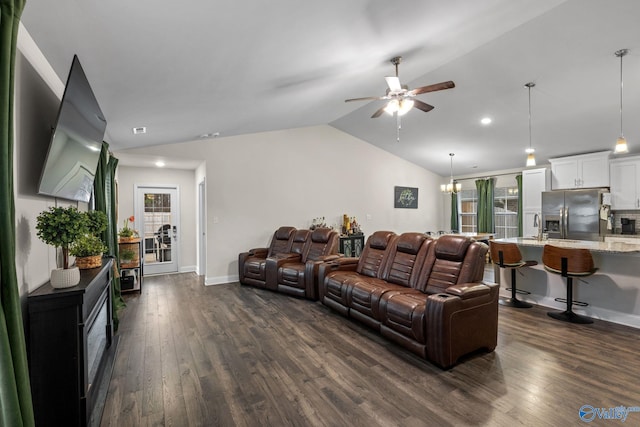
x=126, y=233
x=127, y=256
x=88, y=250
x=96, y=222
x=60, y=227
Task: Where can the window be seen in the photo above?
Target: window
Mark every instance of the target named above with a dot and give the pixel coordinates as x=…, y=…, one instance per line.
x=505, y=205
x=468, y=200
x=505, y=212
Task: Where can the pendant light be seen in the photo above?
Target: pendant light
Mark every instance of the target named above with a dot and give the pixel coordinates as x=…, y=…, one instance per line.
x=621, y=143
x=452, y=186
x=531, y=159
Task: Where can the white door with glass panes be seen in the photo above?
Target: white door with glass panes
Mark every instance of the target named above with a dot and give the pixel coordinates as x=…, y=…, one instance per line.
x=157, y=208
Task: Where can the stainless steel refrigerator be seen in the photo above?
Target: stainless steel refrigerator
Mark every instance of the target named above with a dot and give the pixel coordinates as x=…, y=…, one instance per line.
x=573, y=214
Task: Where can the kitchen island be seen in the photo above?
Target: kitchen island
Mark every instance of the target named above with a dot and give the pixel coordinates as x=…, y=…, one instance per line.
x=613, y=292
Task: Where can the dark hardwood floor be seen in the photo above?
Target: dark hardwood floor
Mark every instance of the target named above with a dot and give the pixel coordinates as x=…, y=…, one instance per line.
x=227, y=355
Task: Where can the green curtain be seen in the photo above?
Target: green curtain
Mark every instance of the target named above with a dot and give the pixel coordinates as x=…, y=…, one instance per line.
x=104, y=197
x=454, y=212
x=519, y=181
x=485, y=205
x=112, y=207
x=16, y=408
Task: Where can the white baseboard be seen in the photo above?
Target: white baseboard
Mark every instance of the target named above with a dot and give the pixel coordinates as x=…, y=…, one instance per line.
x=188, y=269
x=220, y=280
x=590, y=311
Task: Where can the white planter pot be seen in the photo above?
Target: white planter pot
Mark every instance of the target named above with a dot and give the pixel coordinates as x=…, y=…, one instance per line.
x=65, y=278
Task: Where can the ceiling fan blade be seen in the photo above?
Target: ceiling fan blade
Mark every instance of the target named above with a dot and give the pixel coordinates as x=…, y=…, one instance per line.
x=432, y=88
x=366, y=98
x=393, y=83
x=422, y=105
x=378, y=112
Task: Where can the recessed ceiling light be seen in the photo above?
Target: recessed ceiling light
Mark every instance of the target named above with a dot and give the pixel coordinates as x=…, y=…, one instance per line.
x=160, y=164
x=486, y=121
x=209, y=135
x=139, y=130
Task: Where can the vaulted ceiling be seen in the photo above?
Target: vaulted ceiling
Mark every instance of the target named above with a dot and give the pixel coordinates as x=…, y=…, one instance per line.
x=235, y=67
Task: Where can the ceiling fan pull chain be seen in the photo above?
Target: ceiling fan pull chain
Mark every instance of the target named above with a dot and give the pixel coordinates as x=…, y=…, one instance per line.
x=399, y=127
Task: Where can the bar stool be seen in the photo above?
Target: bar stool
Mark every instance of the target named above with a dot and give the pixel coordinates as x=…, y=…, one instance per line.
x=569, y=263
x=507, y=255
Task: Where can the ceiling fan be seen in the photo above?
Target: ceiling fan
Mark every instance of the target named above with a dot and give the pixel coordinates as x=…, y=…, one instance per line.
x=400, y=98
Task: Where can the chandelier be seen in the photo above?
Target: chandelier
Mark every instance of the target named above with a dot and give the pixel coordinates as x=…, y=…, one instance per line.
x=452, y=186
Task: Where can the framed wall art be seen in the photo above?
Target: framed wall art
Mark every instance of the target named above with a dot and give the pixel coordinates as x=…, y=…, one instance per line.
x=405, y=197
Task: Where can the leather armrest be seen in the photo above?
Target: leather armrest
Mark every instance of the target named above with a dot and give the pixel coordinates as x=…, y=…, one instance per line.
x=469, y=290
x=259, y=252
x=339, y=264
x=242, y=258
x=327, y=258
x=463, y=318
x=272, y=265
x=344, y=263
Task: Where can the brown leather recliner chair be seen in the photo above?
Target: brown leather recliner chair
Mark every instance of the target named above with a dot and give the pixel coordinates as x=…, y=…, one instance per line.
x=297, y=274
x=340, y=275
x=454, y=312
x=251, y=264
x=405, y=258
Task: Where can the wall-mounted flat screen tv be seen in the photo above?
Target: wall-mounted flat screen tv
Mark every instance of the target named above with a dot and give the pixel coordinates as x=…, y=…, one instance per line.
x=74, y=150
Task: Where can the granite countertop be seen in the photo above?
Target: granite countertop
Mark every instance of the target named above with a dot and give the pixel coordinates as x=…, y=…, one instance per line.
x=606, y=247
x=633, y=236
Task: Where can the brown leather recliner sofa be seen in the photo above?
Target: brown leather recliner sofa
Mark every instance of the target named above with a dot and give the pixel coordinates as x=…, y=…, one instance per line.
x=252, y=264
x=425, y=294
x=293, y=267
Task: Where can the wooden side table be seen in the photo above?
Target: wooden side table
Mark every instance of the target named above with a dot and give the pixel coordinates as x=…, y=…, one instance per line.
x=133, y=270
x=352, y=245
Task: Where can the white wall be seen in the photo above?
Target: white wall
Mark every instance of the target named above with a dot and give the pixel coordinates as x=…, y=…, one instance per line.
x=185, y=180
x=258, y=182
x=36, y=107
x=255, y=183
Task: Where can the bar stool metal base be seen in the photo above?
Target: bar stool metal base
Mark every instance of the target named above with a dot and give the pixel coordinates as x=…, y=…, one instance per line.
x=570, y=316
x=514, y=302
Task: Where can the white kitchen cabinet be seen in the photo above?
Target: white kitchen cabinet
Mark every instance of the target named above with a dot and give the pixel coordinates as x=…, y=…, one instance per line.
x=580, y=171
x=625, y=183
x=534, y=182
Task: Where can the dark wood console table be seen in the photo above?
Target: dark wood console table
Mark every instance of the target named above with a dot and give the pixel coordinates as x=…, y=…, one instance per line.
x=71, y=349
x=351, y=245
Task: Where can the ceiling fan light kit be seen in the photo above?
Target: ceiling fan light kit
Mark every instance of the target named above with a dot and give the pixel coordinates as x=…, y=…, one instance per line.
x=621, y=143
x=401, y=106
x=401, y=100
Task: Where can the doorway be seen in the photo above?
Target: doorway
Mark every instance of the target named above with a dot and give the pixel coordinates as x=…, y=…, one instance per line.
x=202, y=229
x=158, y=210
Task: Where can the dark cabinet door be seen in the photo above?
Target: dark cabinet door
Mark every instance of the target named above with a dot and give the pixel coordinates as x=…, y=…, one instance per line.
x=70, y=333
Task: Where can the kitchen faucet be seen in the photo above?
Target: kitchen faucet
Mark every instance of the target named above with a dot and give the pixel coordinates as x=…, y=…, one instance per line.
x=537, y=222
